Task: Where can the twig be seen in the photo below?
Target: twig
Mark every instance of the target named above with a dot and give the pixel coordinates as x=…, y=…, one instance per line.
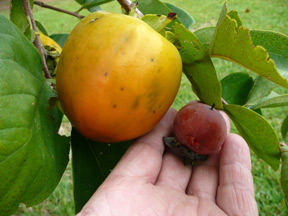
x=126, y=4
x=37, y=42
x=42, y=4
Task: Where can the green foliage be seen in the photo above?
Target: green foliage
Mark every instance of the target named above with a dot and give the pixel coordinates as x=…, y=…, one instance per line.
x=257, y=132
x=233, y=42
x=18, y=17
x=284, y=171
x=41, y=28
x=186, y=19
x=59, y=38
x=260, y=89
x=273, y=100
x=236, y=87
x=157, y=22
x=197, y=66
x=33, y=156
x=86, y=154
x=160, y=8
x=91, y=4
x=284, y=128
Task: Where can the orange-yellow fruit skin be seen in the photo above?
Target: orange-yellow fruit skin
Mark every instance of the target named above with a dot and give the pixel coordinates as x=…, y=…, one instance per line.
x=116, y=77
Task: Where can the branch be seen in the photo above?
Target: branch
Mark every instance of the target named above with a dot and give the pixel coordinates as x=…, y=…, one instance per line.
x=37, y=42
x=127, y=4
x=42, y=4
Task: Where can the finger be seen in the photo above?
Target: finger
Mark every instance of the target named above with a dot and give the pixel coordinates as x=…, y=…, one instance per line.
x=174, y=173
x=144, y=157
x=204, y=178
x=235, y=193
x=227, y=120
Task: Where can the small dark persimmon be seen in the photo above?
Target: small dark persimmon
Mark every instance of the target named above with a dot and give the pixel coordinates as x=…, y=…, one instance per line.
x=200, y=127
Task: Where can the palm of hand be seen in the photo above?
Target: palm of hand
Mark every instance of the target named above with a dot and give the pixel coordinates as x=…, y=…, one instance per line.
x=149, y=181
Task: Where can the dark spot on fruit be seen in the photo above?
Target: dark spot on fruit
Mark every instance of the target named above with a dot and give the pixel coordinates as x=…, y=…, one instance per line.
x=106, y=74
x=152, y=59
x=122, y=89
x=136, y=103
x=114, y=105
x=154, y=112
x=93, y=20
x=193, y=143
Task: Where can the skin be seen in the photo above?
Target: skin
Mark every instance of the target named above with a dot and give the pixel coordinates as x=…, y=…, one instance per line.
x=151, y=181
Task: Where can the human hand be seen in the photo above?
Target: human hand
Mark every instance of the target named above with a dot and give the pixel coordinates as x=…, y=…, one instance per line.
x=149, y=181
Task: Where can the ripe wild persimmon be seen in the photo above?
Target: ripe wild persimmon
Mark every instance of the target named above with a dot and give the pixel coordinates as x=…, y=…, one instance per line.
x=200, y=127
x=116, y=77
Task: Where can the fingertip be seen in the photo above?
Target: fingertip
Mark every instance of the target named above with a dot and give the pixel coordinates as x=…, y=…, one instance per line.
x=235, y=193
x=235, y=150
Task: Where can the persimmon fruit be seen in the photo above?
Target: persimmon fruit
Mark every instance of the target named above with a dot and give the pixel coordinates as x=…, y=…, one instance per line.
x=116, y=77
x=200, y=127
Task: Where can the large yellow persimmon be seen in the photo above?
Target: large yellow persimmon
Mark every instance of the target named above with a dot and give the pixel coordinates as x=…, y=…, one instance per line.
x=116, y=77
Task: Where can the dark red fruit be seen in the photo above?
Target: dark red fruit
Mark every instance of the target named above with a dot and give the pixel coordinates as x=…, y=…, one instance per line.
x=200, y=128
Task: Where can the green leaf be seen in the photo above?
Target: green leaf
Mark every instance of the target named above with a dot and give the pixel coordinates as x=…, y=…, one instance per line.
x=92, y=163
x=185, y=18
x=236, y=87
x=189, y=46
x=261, y=88
x=284, y=172
x=204, y=82
x=33, y=156
x=59, y=38
x=234, y=43
x=155, y=7
x=89, y=4
x=276, y=44
x=273, y=100
x=41, y=28
x=284, y=128
x=157, y=22
x=258, y=133
x=197, y=66
x=205, y=36
x=18, y=17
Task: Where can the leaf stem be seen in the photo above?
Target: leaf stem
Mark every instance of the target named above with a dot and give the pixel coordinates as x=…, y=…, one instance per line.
x=37, y=42
x=126, y=4
x=42, y=4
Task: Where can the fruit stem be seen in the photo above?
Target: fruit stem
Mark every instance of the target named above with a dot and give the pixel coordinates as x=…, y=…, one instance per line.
x=127, y=4
x=213, y=106
x=37, y=42
x=42, y=4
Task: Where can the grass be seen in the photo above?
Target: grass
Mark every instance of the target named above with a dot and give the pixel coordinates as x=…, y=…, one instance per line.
x=257, y=14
